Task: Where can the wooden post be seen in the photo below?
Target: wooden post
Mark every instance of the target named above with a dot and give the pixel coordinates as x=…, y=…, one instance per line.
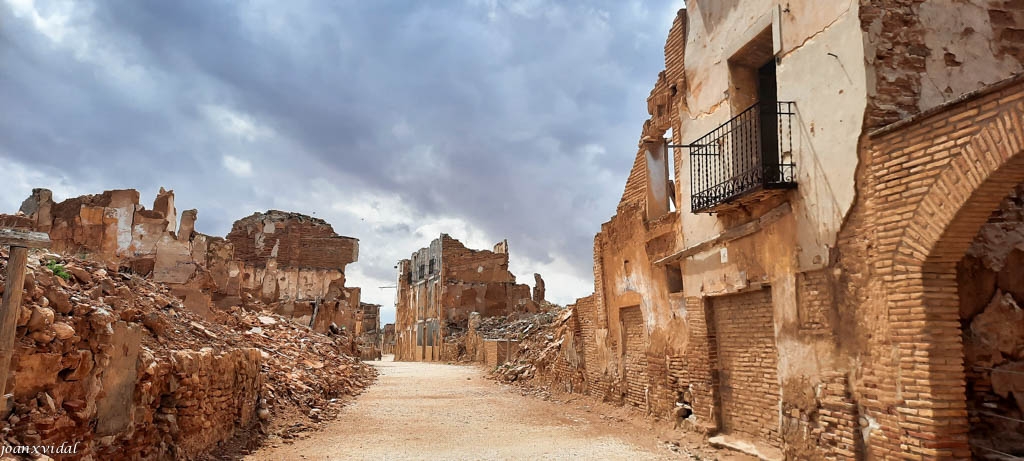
x=20, y=242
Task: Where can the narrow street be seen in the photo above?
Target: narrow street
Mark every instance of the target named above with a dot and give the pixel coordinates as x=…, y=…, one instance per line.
x=437, y=411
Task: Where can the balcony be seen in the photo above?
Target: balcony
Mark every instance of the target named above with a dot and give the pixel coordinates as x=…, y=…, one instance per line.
x=743, y=160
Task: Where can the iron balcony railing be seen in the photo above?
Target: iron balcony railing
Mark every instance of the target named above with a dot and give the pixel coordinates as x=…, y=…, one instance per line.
x=752, y=151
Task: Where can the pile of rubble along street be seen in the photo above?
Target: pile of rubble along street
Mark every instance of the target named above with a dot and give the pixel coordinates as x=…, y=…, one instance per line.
x=549, y=351
x=519, y=326
x=197, y=382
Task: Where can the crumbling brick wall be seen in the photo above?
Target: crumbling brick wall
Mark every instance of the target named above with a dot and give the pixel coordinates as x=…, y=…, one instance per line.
x=816, y=300
x=292, y=240
x=923, y=53
x=468, y=265
x=291, y=262
x=928, y=185
x=566, y=370
x=445, y=283
x=898, y=57
x=747, y=360
x=498, y=351
x=82, y=374
x=549, y=351
x=634, y=339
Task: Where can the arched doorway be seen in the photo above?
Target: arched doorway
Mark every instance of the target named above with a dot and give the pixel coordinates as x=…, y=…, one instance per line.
x=934, y=182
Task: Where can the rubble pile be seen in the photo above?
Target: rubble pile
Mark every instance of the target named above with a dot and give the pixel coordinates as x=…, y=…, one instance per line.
x=519, y=326
x=115, y=362
x=548, y=353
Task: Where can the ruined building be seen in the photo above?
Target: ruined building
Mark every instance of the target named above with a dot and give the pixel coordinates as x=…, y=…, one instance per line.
x=292, y=264
x=299, y=262
x=367, y=329
x=782, y=269
x=106, y=358
x=438, y=289
x=388, y=339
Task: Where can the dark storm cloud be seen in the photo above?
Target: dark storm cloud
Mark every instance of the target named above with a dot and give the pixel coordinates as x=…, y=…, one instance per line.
x=520, y=118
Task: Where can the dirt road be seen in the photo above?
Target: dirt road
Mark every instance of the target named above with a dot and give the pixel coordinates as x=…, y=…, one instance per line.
x=436, y=411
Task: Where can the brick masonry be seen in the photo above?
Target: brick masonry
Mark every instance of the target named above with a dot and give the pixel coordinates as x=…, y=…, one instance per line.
x=878, y=364
x=815, y=300
x=293, y=240
x=929, y=185
x=635, y=349
x=747, y=363
x=443, y=285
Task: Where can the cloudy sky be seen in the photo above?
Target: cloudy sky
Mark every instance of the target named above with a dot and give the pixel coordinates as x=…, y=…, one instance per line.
x=394, y=121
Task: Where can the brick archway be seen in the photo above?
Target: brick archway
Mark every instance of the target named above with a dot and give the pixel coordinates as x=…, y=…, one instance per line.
x=938, y=179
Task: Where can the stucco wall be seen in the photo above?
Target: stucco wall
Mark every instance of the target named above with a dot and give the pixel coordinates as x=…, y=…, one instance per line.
x=820, y=69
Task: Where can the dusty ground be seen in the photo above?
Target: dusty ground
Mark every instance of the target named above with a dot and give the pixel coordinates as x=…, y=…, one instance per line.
x=436, y=411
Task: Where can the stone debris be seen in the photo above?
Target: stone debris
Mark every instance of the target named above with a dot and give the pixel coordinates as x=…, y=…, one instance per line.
x=291, y=263
x=546, y=358
x=117, y=363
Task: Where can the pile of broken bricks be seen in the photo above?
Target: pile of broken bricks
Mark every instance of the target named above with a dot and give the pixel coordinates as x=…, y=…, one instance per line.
x=115, y=362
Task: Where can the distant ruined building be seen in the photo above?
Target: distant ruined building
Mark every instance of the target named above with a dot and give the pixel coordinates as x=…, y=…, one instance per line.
x=388, y=339
x=819, y=251
x=441, y=287
x=291, y=263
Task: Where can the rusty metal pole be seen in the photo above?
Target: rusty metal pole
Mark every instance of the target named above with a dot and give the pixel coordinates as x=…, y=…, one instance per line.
x=20, y=242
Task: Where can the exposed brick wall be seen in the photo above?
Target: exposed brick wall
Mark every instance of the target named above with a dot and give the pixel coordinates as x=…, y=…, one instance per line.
x=562, y=368
x=815, y=300
x=747, y=365
x=636, y=184
x=1007, y=17
x=634, y=342
x=661, y=397
x=296, y=240
x=928, y=185
x=675, y=51
x=586, y=312
x=898, y=54
x=466, y=265
x=837, y=418
x=176, y=408
x=600, y=316
x=903, y=47
x=498, y=351
x=690, y=373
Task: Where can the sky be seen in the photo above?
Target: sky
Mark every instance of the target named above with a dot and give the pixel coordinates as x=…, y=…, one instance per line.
x=395, y=121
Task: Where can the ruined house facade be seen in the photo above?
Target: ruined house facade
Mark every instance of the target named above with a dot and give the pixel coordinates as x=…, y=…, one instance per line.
x=297, y=263
x=368, y=330
x=783, y=264
x=388, y=339
x=293, y=264
x=440, y=286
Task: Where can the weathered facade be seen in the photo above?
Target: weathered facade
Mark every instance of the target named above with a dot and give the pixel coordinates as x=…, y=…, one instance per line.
x=438, y=289
x=367, y=329
x=388, y=339
x=293, y=264
x=781, y=271
x=112, y=363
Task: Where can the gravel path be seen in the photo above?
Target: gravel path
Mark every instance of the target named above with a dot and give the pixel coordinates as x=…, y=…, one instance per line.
x=436, y=411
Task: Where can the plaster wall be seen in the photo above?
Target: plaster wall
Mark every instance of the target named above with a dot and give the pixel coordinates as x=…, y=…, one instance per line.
x=814, y=39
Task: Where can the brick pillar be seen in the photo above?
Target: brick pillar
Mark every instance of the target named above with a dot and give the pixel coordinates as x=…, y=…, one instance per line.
x=924, y=313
